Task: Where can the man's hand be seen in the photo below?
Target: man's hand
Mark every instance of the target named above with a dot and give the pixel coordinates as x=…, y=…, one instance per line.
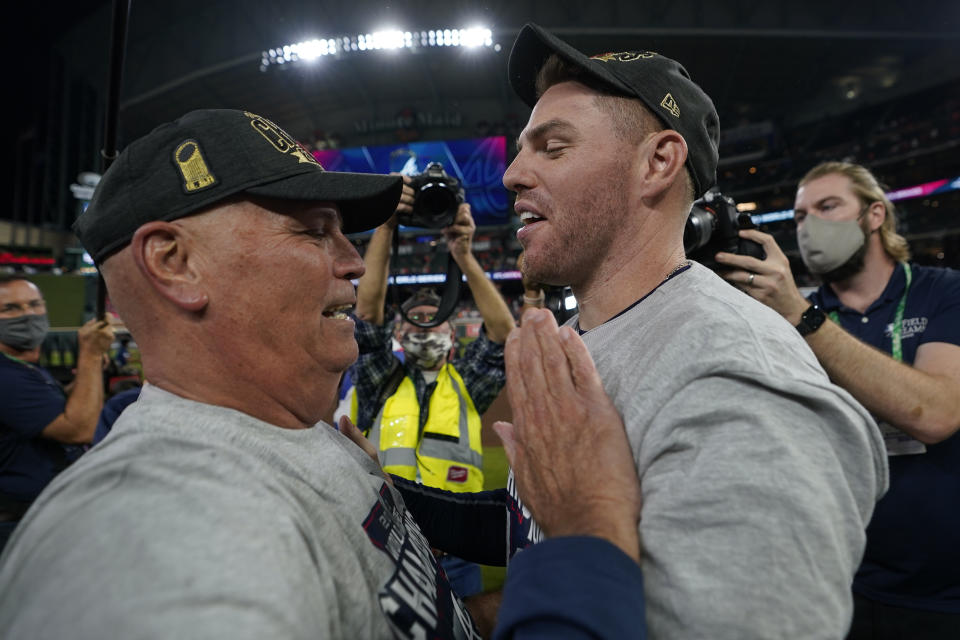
x=78, y=421
x=405, y=206
x=770, y=281
x=459, y=235
x=567, y=445
x=95, y=337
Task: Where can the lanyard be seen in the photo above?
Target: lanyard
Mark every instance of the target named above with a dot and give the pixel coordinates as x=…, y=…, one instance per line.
x=15, y=359
x=896, y=334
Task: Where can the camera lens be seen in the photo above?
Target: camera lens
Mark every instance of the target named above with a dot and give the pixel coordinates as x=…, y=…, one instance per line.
x=700, y=226
x=436, y=198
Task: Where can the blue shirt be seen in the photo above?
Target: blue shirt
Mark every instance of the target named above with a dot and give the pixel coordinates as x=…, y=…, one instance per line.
x=30, y=399
x=112, y=410
x=912, y=557
x=574, y=587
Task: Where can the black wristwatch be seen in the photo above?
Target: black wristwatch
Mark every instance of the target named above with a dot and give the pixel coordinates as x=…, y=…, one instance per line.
x=811, y=320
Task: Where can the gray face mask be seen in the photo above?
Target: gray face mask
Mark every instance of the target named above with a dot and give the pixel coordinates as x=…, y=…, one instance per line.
x=24, y=332
x=426, y=350
x=826, y=245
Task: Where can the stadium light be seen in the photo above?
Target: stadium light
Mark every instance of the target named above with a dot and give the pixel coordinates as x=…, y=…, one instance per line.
x=383, y=40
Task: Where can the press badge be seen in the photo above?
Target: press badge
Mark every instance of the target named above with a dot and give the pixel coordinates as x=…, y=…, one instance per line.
x=899, y=443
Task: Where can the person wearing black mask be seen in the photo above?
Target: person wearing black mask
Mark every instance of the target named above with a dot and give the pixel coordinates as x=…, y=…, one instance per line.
x=38, y=423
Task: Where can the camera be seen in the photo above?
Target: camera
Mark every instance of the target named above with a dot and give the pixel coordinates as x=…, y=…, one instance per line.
x=713, y=226
x=437, y=195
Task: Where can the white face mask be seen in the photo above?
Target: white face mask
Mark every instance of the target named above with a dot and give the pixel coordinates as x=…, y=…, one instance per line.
x=826, y=245
x=427, y=349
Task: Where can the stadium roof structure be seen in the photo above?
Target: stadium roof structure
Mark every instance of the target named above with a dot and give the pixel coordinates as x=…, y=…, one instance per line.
x=361, y=64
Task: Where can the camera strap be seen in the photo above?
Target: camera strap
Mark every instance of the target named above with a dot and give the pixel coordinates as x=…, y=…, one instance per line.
x=449, y=298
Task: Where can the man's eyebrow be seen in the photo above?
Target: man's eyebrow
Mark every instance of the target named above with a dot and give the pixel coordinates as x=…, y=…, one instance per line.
x=819, y=203
x=550, y=126
x=313, y=219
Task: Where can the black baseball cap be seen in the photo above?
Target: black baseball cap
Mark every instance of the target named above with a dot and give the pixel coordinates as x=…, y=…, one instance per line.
x=662, y=84
x=421, y=297
x=206, y=156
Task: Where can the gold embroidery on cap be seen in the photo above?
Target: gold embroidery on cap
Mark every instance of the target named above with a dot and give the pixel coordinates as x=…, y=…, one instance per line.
x=624, y=56
x=193, y=168
x=670, y=105
x=280, y=139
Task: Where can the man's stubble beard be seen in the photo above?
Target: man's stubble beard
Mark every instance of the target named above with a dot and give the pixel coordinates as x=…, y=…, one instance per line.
x=582, y=237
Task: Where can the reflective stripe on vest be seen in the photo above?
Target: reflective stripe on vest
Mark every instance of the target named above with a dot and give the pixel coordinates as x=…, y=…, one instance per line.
x=449, y=454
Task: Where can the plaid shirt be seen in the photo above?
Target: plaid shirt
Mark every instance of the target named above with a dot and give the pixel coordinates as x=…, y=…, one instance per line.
x=481, y=368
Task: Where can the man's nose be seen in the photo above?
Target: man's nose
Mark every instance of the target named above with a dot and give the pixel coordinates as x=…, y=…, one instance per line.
x=515, y=177
x=348, y=262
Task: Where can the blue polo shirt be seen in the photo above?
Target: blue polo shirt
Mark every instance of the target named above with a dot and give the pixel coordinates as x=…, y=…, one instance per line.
x=912, y=557
x=30, y=399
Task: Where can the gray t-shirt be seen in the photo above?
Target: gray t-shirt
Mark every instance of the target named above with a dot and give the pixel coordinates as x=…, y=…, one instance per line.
x=196, y=521
x=758, y=475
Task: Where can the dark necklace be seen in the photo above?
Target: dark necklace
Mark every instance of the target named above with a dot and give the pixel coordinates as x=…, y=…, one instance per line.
x=680, y=268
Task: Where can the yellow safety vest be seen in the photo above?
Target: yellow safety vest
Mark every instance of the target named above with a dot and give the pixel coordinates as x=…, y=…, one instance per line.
x=449, y=454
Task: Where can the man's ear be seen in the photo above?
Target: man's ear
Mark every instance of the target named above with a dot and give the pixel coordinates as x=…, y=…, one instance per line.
x=162, y=252
x=662, y=158
x=876, y=214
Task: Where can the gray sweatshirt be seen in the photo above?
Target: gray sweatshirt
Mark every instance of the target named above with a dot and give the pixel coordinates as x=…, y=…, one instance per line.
x=195, y=521
x=758, y=475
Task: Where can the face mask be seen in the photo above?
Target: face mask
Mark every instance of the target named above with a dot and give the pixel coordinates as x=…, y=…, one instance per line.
x=24, y=332
x=826, y=245
x=426, y=350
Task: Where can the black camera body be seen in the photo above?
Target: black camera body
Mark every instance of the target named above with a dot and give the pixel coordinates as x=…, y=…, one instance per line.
x=713, y=226
x=437, y=196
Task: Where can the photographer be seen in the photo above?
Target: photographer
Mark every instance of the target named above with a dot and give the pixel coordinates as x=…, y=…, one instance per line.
x=434, y=401
x=39, y=424
x=894, y=344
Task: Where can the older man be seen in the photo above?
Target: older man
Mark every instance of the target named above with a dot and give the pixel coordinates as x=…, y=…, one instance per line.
x=217, y=508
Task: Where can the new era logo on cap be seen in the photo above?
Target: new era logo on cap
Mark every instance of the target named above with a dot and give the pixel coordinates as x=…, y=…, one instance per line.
x=670, y=105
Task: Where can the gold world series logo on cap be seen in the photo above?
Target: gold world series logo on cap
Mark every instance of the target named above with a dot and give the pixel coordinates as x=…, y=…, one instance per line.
x=280, y=139
x=624, y=56
x=189, y=160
